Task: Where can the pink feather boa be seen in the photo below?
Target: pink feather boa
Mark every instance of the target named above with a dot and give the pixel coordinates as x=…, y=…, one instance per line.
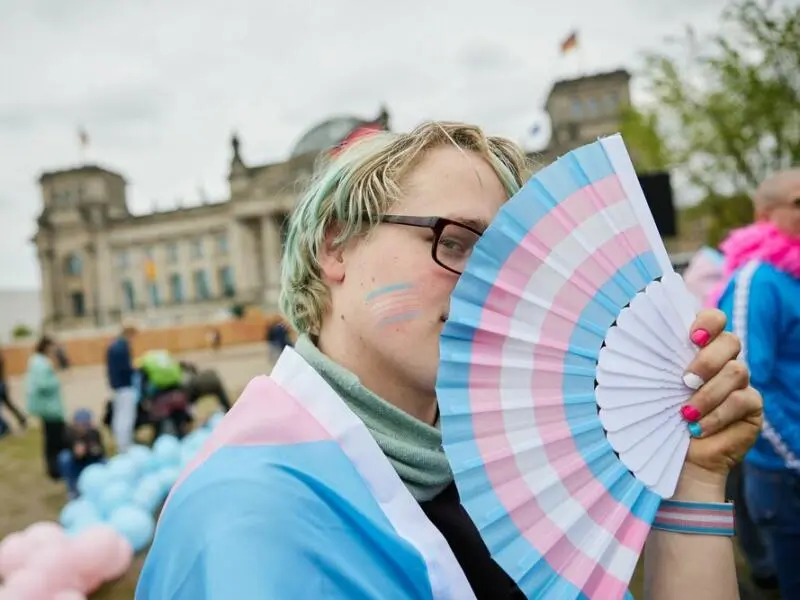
x=760, y=241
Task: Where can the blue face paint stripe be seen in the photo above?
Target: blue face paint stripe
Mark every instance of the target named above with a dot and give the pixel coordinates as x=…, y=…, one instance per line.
x=396, y=287
x=393, y=320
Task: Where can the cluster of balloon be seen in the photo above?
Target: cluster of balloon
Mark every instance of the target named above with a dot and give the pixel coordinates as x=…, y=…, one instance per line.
x=99, y=532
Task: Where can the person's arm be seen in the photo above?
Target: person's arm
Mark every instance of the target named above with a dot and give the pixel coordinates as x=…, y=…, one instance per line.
x=678, y=565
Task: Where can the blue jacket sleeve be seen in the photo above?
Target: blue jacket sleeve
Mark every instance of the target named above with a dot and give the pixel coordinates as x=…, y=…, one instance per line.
x=756, y=319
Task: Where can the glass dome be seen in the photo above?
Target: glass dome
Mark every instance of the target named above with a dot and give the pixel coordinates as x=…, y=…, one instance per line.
x=326, y=135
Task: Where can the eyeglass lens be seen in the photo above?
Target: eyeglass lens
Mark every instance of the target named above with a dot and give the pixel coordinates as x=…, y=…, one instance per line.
x=455, y=247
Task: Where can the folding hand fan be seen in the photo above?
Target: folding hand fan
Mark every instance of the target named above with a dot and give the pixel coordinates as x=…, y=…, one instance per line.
x=561, y=377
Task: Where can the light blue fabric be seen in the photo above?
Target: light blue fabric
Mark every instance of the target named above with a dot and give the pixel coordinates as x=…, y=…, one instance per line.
x=772, y=351
x=43, y=389
x=279, y=522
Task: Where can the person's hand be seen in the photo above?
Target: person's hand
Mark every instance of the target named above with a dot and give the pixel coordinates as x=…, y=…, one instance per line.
x=79, y=450
x=725, y=410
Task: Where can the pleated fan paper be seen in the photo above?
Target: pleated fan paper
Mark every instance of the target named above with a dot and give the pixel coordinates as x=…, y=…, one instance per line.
x=561, y=377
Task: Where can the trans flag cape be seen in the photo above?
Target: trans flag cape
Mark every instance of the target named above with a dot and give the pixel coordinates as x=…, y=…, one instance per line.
x=292, y=498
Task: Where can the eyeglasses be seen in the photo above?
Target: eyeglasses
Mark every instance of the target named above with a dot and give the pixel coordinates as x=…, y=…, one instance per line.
x=452, y=241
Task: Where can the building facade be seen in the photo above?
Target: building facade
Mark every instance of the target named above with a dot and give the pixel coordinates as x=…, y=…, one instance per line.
x=101, y=264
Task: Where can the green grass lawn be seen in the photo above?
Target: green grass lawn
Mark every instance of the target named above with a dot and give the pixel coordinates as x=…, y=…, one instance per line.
x=27, y=495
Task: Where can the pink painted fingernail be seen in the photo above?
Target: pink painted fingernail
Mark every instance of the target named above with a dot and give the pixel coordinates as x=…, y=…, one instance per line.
x=700, y=337
x=690, y=413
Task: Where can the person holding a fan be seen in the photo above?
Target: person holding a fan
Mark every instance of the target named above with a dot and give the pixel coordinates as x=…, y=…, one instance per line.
x=328, y=479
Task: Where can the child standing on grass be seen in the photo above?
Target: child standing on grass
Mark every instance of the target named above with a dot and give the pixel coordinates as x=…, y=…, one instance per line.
x=84, y=448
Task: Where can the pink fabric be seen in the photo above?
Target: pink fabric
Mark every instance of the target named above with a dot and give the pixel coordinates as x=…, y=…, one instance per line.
x=704, y=273
x=265, y=414
x=761, y=241
x=539, y=530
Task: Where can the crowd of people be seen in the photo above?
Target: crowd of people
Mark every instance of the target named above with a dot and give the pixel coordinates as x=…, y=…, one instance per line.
x=155, y=391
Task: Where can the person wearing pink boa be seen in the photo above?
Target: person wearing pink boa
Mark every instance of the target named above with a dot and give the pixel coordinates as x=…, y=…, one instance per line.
x=760, y=294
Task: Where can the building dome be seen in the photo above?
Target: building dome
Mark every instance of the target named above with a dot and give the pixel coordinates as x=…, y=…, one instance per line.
x=326, y=135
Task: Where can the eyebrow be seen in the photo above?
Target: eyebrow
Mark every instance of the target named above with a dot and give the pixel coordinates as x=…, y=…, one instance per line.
x=477, y=224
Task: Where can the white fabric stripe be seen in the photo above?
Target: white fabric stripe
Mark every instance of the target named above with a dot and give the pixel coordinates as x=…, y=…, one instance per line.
x=521, y=427
x=699, y=519
x=741, y=299
x=297, y=377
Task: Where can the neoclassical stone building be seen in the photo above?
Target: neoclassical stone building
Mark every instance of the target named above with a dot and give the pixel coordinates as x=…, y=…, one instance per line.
x=100, y=263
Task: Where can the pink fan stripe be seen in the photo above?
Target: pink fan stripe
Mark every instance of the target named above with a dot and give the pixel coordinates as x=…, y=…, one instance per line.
x=564, y=556
x=260, y=417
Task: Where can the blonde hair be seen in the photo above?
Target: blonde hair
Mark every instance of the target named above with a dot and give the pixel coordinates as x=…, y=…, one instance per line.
x=353, y=190
x=774, y=189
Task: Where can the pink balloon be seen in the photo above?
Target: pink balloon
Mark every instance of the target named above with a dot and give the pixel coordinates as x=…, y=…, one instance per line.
x=68, y=595
x=58, y=564
x=14, y=552
x=45, y=533
x=99, y=554
x=29, y=584
x=120, y=561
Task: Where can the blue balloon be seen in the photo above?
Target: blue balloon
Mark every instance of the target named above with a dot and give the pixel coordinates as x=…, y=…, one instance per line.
x=115, y=494
x=139, y=455
x=135, y=524
x=122, y=468
x=76, y=511
x=86, y=520
x=167, y=450
x=92, y=480
x=168, y=476
x=149, y=493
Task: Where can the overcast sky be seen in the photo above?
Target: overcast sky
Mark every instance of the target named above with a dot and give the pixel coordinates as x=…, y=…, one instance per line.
x=160, y=85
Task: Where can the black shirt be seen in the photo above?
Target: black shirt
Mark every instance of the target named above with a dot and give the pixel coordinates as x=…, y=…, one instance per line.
x=488, y=580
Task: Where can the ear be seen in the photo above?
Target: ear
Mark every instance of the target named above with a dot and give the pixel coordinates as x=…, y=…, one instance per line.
x=331, y=258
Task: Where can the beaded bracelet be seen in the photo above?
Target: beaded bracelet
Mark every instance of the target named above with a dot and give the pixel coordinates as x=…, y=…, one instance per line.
x=699, y=518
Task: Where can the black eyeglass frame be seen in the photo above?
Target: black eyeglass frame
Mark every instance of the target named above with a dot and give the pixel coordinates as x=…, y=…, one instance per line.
x=435, y=224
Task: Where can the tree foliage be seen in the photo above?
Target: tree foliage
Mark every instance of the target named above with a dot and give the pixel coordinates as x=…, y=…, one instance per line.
x=725, y=110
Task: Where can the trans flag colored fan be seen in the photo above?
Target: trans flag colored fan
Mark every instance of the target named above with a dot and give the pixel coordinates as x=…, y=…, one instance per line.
x=561, y=377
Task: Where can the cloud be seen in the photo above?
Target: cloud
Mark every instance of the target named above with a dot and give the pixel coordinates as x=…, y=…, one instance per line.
x=160, y=86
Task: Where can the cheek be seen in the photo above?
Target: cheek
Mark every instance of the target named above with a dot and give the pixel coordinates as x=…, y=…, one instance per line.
x=405, y=302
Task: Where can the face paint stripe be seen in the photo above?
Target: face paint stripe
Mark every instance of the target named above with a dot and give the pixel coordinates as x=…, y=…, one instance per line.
x=383, y=303
x=405, y=307
x=396, y=287
x=398, y=318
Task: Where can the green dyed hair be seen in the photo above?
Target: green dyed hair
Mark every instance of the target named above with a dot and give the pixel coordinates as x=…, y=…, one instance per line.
x=352, y=191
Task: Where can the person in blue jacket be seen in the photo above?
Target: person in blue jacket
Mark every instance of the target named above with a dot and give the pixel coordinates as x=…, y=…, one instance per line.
x=120, y=372
x=762, y=301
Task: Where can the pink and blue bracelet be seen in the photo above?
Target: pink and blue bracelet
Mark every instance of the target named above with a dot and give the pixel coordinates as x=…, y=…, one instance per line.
x=697, y=518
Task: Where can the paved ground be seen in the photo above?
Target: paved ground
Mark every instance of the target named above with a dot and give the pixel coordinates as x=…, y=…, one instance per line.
x=86, y=387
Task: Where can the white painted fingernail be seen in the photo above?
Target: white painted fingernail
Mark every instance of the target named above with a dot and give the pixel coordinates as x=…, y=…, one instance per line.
x=693, y=381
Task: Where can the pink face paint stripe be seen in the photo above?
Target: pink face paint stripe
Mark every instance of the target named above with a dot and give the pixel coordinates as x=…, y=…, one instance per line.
x=259, y=418
x=394, y=300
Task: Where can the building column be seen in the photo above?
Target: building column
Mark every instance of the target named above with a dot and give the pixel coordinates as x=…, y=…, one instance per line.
x=242, y=277
x=106, y=282
x=48, y=300
x=271, y=255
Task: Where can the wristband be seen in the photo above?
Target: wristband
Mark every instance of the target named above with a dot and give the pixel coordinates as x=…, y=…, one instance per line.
x=698, y=518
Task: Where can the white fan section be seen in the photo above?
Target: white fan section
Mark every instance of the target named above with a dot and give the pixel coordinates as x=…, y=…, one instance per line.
x=640, y=387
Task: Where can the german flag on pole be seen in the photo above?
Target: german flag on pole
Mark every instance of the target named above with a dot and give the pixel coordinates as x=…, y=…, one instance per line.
x=570, y=43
